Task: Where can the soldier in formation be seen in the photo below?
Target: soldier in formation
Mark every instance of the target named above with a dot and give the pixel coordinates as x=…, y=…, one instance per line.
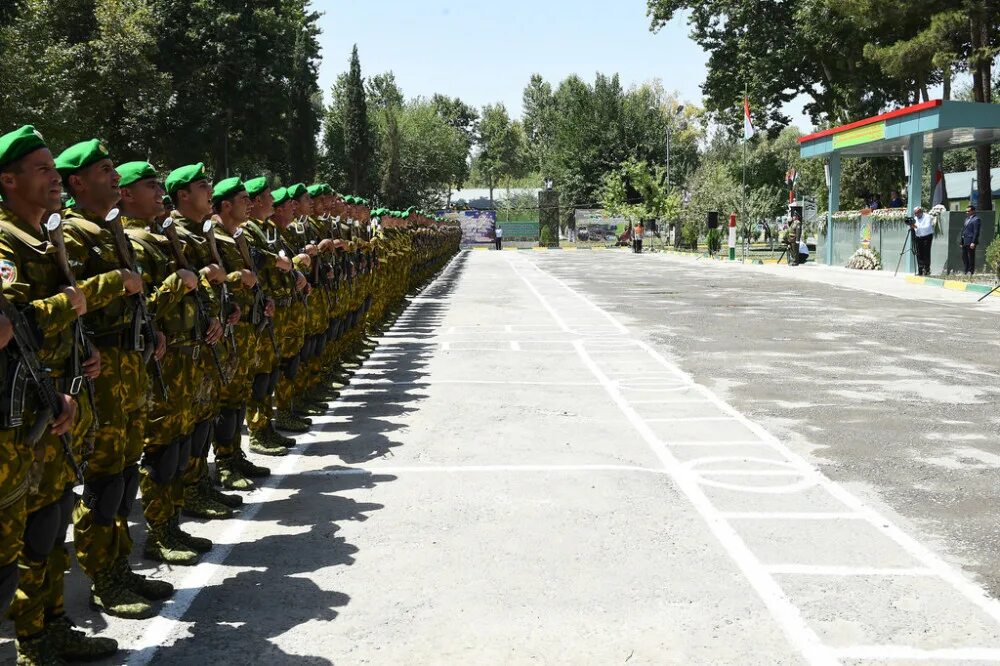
x=144, y=323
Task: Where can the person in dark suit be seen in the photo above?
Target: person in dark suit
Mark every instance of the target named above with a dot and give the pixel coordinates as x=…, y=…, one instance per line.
x=969, y=239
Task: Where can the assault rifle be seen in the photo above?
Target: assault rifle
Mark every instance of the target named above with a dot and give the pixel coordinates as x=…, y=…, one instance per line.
x=170, y=232
x=52, y=404
x=226, y=300
x=259, y=297
x=54, y=228
x=142, y=321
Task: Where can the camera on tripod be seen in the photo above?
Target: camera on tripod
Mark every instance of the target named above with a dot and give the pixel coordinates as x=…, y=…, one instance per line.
x=909, y=220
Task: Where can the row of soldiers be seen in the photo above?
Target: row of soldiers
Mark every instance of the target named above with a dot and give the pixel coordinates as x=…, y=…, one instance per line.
x=140, y=329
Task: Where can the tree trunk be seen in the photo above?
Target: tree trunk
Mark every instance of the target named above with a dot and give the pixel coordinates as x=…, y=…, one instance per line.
x=981, y=73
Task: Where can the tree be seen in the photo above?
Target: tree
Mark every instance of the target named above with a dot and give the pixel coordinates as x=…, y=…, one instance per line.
x=638, y=193
x=357, y=140
x=501, y=147
x=465, y=120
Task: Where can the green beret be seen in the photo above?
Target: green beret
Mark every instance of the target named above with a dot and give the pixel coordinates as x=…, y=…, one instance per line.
x=227, y=188
x=15, y=145
x=256, y=186
x=315, y=190
x=328, y=190
x=133, y=172
x=280, y=196
x=184, y=176
x=297, y=190
x=81, y=155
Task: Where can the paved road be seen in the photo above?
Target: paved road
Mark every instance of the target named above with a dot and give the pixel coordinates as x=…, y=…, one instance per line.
x=591, y=458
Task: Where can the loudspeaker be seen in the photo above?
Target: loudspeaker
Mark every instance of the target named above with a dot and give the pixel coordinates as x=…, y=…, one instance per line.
x=713, y=220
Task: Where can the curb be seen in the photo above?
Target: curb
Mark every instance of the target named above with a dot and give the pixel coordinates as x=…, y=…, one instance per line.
x=954, y=285
x=535, y=248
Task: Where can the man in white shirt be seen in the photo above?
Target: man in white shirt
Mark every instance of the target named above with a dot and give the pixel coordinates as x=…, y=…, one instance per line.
x=923, y=236
x=499, y=237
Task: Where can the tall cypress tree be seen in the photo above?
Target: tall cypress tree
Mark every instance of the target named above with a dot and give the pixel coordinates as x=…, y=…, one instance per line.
x=357, y=141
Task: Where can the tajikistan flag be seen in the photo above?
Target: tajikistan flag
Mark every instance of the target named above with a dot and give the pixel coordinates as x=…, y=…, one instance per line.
x=748, y=130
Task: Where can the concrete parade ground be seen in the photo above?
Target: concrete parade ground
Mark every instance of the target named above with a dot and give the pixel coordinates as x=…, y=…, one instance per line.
x=606, y=458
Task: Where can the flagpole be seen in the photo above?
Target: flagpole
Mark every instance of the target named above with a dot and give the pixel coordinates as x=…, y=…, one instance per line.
x=743, y=212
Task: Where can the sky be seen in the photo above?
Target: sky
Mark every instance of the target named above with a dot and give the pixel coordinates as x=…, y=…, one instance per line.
x=485, y=52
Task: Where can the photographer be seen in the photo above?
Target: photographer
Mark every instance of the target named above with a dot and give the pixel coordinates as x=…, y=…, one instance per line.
x=922, y=226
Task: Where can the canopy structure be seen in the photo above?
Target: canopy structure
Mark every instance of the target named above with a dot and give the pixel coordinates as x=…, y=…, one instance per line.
x=934, y=127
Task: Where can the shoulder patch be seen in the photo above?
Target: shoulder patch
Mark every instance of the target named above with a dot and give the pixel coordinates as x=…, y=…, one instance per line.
x=8, y=272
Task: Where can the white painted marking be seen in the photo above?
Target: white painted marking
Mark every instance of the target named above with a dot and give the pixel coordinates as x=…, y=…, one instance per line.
x=821, y=570
x=786, y=613
x=791, y=515
x=900, y=652
x=690, y=419
x=515, y=346
x=460, y=469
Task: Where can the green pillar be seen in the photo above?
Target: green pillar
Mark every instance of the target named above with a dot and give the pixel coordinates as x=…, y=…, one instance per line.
x=548, y=216
x=833, y=203
x=914, y=190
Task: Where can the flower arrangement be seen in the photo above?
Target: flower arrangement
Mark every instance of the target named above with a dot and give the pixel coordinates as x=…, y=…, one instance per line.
x=866, y=259
x=889, y=214
x=846, y=215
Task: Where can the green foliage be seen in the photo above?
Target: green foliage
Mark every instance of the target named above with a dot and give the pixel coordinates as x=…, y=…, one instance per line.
x=357, y=134
x=502, y=147
x=713, y=241
x=577, y=133
x=231, y=83
x=993, y=257
x=638, y=192
x=545, y=237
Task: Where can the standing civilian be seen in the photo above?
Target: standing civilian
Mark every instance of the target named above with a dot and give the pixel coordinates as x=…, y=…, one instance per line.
x=923, y=235
x=499, y=237
x=970, y=239
x=637, y=233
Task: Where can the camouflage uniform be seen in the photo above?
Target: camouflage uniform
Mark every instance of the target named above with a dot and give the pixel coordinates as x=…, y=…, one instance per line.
x=31, y=275
x=289, y=312
x=170, y=423
x=206, y=405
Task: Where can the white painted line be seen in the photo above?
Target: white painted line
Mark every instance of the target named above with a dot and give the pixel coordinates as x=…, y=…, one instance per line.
x=787, y=614
x=431, y=382
x=690, y=419
x=515, y=346
x=748, y=472
x=722, y=442
x=670, y=401
x=791, y=515
x=445, y=346
x=823, y=570
x=900, y=652
x=460, y=469
x=161, y=627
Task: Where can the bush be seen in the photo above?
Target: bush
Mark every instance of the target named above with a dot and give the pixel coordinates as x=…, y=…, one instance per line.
x=993, y=256
x=689, y=233
x=545, y=237
x=714, y=241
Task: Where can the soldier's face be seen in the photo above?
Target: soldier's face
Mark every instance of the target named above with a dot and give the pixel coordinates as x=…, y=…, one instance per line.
x=199, y=197
x=98, y=183
x=283, y=214
x=265, y=205
x=144, y=199
x=305, y=205
x=35, y=182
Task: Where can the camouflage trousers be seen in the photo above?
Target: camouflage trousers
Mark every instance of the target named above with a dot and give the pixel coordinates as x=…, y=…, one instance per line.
x=16, y=461
x=168, y=422
x=204, y=408
x=41, y=581
x=121, y=394
x=289, y=330
x=234, y=395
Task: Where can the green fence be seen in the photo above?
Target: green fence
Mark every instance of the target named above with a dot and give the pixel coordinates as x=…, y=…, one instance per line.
x=515, y=231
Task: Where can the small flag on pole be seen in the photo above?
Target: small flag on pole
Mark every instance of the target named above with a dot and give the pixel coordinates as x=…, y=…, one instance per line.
x=940, y=195
x=748, y=130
